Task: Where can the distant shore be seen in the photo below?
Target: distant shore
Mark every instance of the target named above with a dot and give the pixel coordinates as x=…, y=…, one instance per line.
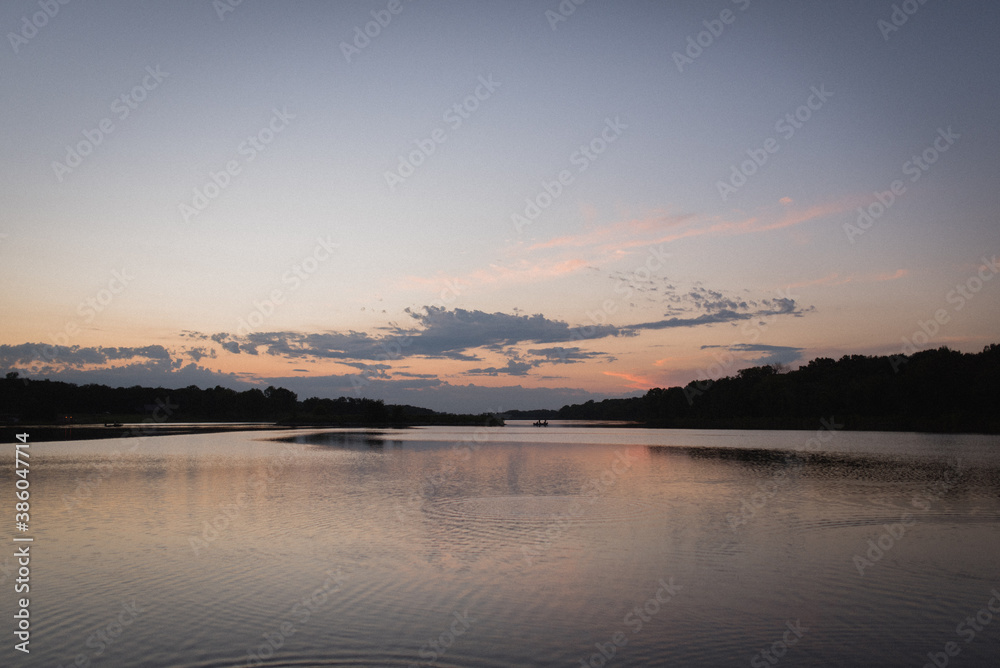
x=40, y=433
x=79, y=432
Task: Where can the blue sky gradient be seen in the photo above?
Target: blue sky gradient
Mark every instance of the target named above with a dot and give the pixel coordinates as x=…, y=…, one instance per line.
x=483, y=207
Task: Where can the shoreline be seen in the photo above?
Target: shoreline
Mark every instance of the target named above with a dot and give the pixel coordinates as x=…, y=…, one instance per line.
x=42, y=433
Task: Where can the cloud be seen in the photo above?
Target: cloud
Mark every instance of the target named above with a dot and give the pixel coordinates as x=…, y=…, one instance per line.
x=561, y=355
x=611, y=236
x=456, y=334
x=52, y=356
x=513, y=368
x=439, y=333
x=899, y=273
x=152, y=373
x=665, y=228
x=771, y=307
x=636, y=381
x=197, y=354
x=460, y=329
x=769, y=354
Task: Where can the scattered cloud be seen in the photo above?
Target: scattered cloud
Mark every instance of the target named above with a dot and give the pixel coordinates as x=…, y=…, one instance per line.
x=768, y=354
x=724, y=313
x=53, y=356
x=561, y=355
x=197, y=354
x=513, y=368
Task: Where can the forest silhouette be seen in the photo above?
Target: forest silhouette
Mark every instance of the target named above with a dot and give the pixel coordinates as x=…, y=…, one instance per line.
x=938, y=390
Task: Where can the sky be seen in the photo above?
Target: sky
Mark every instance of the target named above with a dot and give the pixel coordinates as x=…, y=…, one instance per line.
x=476, y=206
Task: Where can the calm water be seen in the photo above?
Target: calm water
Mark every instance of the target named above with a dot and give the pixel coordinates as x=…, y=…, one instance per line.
x=512, y=546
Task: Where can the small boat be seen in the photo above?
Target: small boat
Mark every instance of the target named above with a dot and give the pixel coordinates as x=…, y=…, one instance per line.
x=541, y=423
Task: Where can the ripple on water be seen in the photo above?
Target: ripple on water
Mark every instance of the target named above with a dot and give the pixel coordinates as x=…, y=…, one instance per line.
x=533, y=510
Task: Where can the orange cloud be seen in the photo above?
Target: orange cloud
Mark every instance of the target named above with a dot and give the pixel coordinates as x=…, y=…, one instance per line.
x=623, y=235
x=900, y=273
x=601, y=244
x=608, y=234
x=638, y=382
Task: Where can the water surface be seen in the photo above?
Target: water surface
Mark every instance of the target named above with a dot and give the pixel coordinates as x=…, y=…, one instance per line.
x=512, y=546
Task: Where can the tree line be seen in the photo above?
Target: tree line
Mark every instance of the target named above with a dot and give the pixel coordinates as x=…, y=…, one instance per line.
x=933, y=390
x=24, y=400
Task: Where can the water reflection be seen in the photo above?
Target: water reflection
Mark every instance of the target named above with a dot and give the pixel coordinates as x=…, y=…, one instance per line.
x=541, y=547
x=348, y=440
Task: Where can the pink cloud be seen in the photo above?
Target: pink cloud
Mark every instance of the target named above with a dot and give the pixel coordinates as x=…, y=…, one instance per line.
x=899, y=273
x=623, y=235
x=627, y=228
x=637, y=382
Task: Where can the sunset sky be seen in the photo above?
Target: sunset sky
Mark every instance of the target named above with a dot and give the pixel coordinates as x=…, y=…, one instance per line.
x=479, y=206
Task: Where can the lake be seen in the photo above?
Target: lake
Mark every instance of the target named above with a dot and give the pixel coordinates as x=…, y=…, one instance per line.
x=512, y=546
